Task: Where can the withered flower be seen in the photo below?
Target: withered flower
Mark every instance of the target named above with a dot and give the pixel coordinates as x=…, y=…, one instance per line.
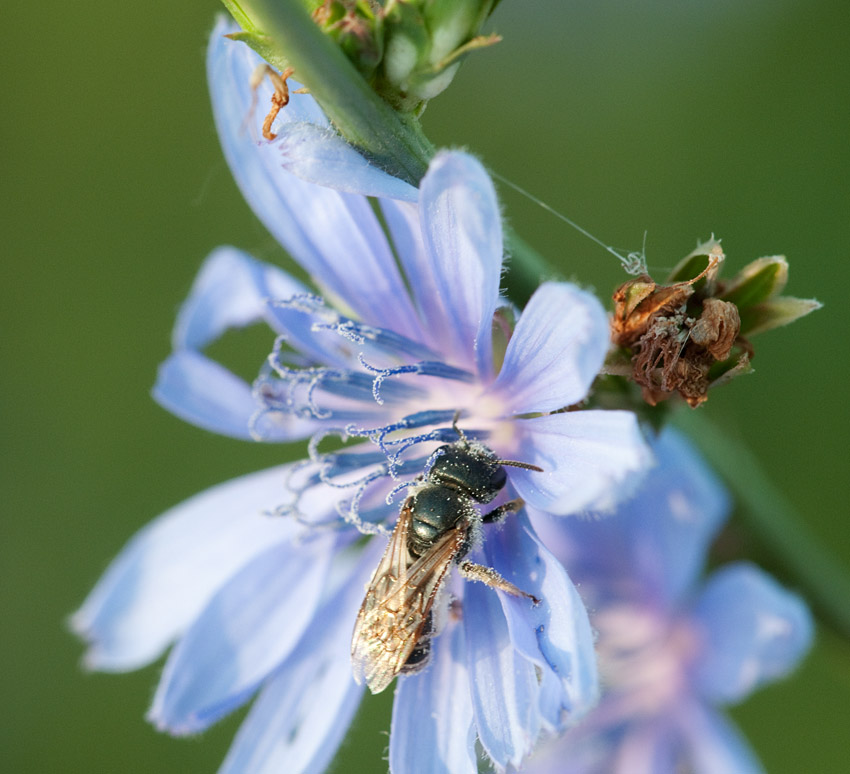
x=692, y=333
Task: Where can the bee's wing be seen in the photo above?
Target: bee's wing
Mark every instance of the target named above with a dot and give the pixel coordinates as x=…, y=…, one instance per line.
x=397, y=602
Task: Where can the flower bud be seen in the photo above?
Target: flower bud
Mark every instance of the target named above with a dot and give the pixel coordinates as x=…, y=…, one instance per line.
x=425, y=42
x=407, y=50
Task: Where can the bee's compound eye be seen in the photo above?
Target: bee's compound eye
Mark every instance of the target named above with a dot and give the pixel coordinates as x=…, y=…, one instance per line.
x=499, y=478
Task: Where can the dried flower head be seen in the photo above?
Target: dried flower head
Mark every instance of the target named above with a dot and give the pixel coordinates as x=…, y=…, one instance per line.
x=692, y=333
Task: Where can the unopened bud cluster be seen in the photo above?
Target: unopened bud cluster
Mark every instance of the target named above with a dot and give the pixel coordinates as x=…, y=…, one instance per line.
x=408, y=50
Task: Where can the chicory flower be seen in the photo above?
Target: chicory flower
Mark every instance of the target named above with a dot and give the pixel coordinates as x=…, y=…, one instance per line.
x=673, y=649
x=256, y=583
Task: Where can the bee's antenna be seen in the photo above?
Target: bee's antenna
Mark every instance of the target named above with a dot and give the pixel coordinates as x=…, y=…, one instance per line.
x=524, y=465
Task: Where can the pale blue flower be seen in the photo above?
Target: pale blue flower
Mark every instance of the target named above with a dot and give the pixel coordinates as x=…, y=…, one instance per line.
x=256, y=583
x=673, y=649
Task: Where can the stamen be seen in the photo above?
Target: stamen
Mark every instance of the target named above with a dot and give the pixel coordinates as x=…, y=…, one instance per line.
x=351, y=513
x=309, y=303
x=313, y=444
x=398, y=487
x=344, y=328
x=441, y=435
x=327, y=472
x=352, y=330
x=254, y=423
x=419, y=419
x=382, y=338
x=423, y=368
x=346, y=383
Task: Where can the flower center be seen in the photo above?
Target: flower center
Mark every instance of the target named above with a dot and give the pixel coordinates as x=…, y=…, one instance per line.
x=644, y=657
x=363, y=382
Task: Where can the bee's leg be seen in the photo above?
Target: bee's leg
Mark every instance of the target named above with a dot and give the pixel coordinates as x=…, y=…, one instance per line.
x=421, y=653
x=487, y=575
x=497, y=514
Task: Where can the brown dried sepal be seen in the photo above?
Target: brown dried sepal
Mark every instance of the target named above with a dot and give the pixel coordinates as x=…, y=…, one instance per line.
x=280, y=98
x=639, y=302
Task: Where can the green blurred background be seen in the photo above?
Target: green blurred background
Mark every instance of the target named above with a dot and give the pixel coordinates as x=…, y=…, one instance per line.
x=676, y=118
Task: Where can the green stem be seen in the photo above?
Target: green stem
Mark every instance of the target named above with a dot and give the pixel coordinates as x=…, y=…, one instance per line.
x=394, y=142
x=779, y=527
x=526, y=268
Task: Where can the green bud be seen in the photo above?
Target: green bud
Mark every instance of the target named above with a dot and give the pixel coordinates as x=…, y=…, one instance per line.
x=756, y=290
x=425, y=42
x=707, y=257
x=775, y=313
x=758, y=281
x=407, y=50
x=357, y=28
x=724, y=372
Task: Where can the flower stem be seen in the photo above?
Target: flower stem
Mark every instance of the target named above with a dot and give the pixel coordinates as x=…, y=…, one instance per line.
x=393, y=141
x=526, y=268
x=774, y=520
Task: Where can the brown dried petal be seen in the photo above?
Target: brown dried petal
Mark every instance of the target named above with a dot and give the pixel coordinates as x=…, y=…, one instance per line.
x=632, y=320
x=693, y=372
x=717, y=328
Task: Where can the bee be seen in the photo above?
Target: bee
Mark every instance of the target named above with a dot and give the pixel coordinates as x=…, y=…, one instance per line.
x=436, y=527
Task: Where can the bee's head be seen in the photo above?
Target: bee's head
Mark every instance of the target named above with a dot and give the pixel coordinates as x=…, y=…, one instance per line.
x=471, y=468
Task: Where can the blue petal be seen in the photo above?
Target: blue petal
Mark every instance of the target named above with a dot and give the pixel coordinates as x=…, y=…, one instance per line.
x=169, y=571
x=591, y=460
x=556, y=350
x=245, y=631
x=299, y=719
x=688, y=738
x=405, y=229
x=646, y=748
x=755, y=632
x=575, y=752
x=673, y=519
x=504, y=683
x=556, y=634
x=301, y=107
x=231, y=290
x=659, y=537
x=432, y=731
x=303, y=713
x=713, y=743
x=321, y=156
x=463, y=238
x=206, y=394
x=336, y=237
